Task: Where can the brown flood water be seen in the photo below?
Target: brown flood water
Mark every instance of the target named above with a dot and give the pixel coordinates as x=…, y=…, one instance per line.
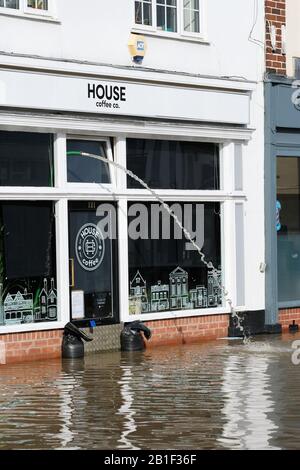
x=218, y=395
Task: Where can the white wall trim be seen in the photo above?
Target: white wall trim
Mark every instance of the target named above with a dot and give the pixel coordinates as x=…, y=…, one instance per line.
x=102, y=71
x=100, y=126
x=57, y=325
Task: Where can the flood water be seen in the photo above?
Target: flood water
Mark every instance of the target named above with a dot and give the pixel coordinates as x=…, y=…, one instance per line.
x=217, y=395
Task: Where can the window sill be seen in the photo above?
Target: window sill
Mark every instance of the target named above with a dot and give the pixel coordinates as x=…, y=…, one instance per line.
x=167, y=315
x=56, y=325
x=30, y=16
x=169, y=35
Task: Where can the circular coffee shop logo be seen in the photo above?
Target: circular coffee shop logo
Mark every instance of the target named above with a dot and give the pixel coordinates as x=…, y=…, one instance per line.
x=89, y=247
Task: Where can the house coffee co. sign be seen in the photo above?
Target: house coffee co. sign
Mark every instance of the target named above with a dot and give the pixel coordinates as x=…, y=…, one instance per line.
x=107, y=96
x=49, y=91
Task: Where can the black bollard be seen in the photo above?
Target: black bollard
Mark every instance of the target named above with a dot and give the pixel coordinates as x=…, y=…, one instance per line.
x=72, y=345
x=294, y=327
x=131, y=338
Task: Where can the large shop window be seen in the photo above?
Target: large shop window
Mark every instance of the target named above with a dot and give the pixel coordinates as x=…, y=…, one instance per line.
x=288, y=229
x=27, y=263
x=164, y=164
x=26, y=159
x=87, y=169
x=165, y=274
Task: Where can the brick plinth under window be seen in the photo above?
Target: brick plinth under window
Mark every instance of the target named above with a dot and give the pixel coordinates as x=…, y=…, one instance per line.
x=275, y=16
x=286, y=317
x=24, y=347
x=187, y=330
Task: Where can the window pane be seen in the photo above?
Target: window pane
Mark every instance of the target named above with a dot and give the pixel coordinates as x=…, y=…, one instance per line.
x=9, y=4
x=191, y=4
x=191, y=16
x=27, y=263
x=171, y=19
x=187, y=20
x=164, y=164
x=26, y=159
x=93, y=259
x=195, y=25
x=288, y=228
x=38, y=4
x=164, y=275
x=138, y=13
x=86, y=169
x=161, y=18
x=147, y=14
x=143, y=12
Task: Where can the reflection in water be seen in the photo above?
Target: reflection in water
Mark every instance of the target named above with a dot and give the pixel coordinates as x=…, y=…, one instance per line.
x=249, y=406
x=216, y=395
x=127, y=410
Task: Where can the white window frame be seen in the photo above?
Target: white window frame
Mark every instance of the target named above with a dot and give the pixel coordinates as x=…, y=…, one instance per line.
x=170, y=196
x=180, y=33
x=112, y=173
x=27, y=12
x=146, y=26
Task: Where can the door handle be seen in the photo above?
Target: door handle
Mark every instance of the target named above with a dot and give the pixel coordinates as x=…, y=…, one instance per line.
x=72, y=272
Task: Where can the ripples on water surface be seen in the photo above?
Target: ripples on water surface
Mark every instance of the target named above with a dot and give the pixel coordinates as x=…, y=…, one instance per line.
x=205, y=396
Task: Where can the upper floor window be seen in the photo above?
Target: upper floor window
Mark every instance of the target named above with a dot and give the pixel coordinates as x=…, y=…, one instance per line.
x=191, y=16
x=143, y=12
x=36, y=7
x=174, y=16
x=166, y=15
x=9, y=4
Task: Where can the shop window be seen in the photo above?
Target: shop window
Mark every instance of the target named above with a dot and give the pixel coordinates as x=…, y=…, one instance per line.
x=165, y=274
x=26, y=159
x=164, y=164
x=27, y=263
x=85, y=169
x=288, y=229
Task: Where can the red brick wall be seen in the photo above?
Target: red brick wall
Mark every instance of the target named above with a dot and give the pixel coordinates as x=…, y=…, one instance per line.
x=23, y=347
x=187, y=330
x=286, y=317
x=275, y=15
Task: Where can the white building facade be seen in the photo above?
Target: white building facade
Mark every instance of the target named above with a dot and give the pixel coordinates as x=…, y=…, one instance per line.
x=188, y=119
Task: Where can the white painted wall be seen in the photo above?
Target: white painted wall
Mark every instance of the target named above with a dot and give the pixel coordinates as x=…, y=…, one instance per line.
x=292, y=34
x=97, y=31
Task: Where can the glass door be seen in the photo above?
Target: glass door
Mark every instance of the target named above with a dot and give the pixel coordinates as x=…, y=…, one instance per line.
x=288, y=230
x=92, y=265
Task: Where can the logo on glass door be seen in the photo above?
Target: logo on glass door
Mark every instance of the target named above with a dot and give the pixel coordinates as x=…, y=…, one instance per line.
x=89, y=247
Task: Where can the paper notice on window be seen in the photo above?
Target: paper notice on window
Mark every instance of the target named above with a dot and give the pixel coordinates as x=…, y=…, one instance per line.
x=77, y=304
